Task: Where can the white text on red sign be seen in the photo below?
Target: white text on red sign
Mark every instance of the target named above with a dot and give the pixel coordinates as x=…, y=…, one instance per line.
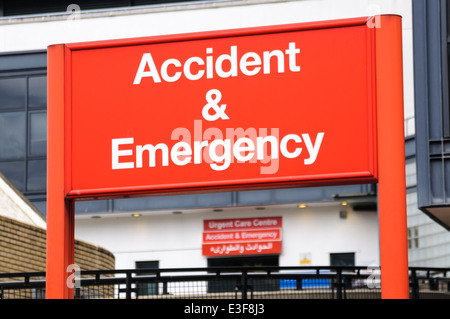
x=249, y=64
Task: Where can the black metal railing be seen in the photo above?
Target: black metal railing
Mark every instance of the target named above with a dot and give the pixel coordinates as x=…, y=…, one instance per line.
x=429, y=283
x=230, y=283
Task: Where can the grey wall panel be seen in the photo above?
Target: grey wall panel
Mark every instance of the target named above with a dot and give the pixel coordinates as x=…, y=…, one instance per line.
x=431, y=105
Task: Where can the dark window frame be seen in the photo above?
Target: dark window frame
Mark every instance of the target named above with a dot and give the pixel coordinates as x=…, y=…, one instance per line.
x=336, y=259
x=27, y=110
x=25, y=97
x=147, y=289
x=243, y=261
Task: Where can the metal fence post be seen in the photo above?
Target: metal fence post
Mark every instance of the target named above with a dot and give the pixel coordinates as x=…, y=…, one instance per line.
x=339, y=284
x=414, y=285
x=244, y=284
x=128, y=286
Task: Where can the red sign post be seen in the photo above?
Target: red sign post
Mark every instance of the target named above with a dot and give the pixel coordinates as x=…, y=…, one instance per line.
x=281, y=106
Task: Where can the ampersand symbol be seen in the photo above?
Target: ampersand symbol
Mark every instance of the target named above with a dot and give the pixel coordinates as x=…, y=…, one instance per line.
x=213, y=104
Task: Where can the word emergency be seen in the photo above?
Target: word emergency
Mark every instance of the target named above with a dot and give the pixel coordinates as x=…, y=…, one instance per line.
x=220, y=151
x=226, y=65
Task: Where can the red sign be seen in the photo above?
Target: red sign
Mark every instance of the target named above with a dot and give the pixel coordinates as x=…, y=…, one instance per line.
x=275, y=106
x=280, y=106
x=242, y=236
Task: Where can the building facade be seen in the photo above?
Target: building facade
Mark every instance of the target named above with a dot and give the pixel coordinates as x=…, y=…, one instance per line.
x=334, y=225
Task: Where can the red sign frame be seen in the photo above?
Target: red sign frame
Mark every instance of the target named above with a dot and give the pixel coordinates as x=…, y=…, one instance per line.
x=383, y=151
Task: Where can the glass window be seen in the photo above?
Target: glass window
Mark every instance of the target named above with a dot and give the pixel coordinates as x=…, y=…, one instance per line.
x=37, y=176
x=15, y=173
x=12, y=93
x=342, y=259
x=12, y=135
x=145, y=289
x=38, y=134
x=413, y=237
x=41, y=205
x=37, y=91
